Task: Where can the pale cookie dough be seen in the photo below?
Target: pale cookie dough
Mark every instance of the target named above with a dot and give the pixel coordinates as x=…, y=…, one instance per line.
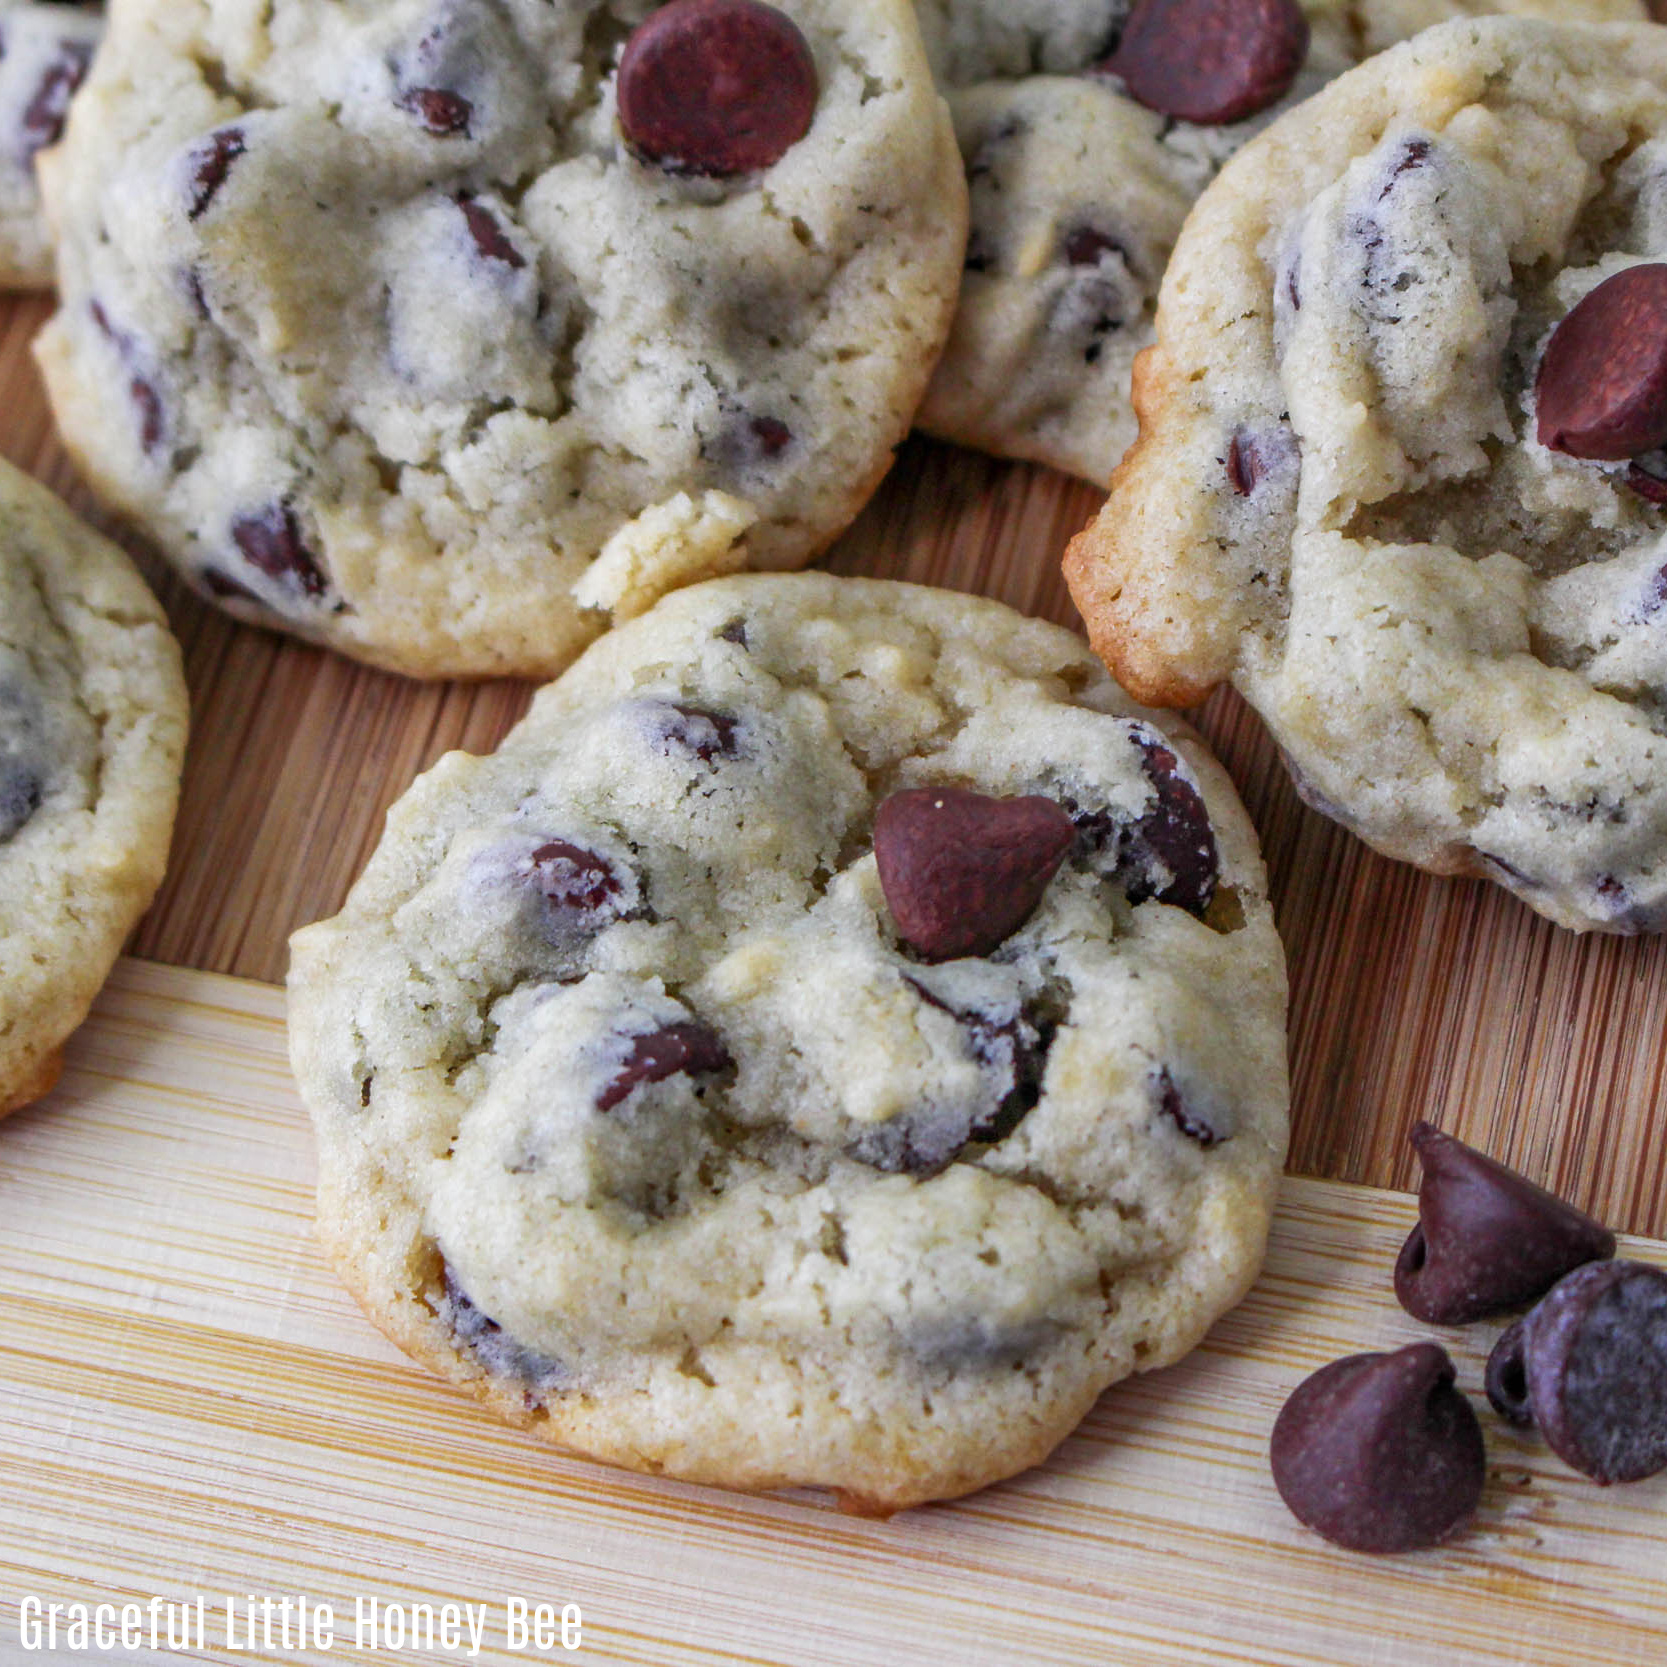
x=92, y=735
x=44, y=54
x=637, y=1115
x=1339, y=500
x=375, y=323
x=1078, y=194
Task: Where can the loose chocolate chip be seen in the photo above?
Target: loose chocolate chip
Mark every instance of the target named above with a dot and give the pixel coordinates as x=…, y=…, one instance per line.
x=1170, y=853
x=442, y=113
x=1487, y=1240
x=271, y=541
x=580, y=886
x=1601, y=389
x=1591, y=1364
x=44, y=114
x=207, y=167
x=20, y=795
x=489, y=236
x=1187, y=1118
x=1244, y=467
x=493, y=1347
x=962, y=871
x=1210, y=61
x=693, y=729
x=1380, y=1452
x=716, y=87
x=686, y=1049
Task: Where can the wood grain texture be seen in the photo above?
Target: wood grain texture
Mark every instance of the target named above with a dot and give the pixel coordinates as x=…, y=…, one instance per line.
x=190, y=1403
x=1411, y=996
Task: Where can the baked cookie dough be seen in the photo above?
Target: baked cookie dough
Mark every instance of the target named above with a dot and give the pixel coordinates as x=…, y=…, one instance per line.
x=44, y=54
x=1079, y=191
x=835, y=1036
x=1343, y=498
x=92, y=736
x=428, y=357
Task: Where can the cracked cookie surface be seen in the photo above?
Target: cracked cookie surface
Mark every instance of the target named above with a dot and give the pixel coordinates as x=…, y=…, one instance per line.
x=422, y=359
x=92, y=736
x=1078, y=193
x=44, y=54
x=639, y=1113
x=1341, y=501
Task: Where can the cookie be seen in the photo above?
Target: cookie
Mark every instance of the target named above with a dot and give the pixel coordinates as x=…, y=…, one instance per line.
x=44, y=54
x=1086, y=145
x=835, y=1036
x=92, y=735
x=454, y=331
x=1344, y=497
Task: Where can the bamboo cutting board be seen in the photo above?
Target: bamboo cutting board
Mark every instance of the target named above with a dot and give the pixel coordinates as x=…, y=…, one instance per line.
x=193, y=1406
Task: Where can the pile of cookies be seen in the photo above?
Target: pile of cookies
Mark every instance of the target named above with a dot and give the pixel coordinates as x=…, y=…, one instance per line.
x=839, y=1032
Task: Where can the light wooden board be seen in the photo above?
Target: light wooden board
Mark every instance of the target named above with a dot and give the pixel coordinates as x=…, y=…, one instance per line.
x=190, y=1404
x=1411, y=996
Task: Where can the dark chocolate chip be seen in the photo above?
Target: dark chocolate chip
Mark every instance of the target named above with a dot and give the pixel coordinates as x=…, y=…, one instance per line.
x=1649, y=486
x=490, y=237
x=147, y=402
x=271, y=542
x=444, y=114
x=1210, y=61
x=1414, y=153
x=582, y=888
x=1506, y=1379
x=735, y=632
x=20, y=794
x=1487, y=1240
x=494, y=1348
x=45, y=113
x=693, y=729
x=1170, y=853
x=716, y=87
x=1601, y=389
x=962, y=871
x=207, y=167
x=1380, y=1452
x=1592, y=1361
x=1188, y=1118
x=689, y=1048
x=1085, y=245
x=772, y=435
x=1244, y=467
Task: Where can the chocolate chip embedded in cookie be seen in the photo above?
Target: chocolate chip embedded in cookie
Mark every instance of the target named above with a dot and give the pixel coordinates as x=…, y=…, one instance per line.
x=521, y=314
x=834, y=1037
x=1400, y=476
x=92, y=734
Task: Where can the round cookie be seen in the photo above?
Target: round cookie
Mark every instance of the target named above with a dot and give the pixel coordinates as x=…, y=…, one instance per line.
x=44, y=54
x=1078, y=193
x=835, y=1036
x=92, y=736
x=429, y=359
x=1340, y=499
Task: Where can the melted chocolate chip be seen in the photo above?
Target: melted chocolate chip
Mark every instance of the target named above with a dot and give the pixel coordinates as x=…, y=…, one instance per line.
x=48, y=107
x=961, y=871
x=494, y=1348
x=716, y=87
x=708, y=736
x=489, y=237
x=1210, y=61
x=1487, y=1240
x=689, y=1048
x=208, y=165
x=1601, y=389
x=442, y=113
x=1244, y=467
x=1380, y=1452
x=271, y=542
x=21, y=787
x=1187, y=1118
x=581, y=888
x=1589, y=1366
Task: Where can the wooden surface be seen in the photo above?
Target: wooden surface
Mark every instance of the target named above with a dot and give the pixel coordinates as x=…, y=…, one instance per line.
x=190, y=1403
x=1411, y=996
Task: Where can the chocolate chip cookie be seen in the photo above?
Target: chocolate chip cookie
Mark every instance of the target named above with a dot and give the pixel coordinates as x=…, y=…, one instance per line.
x=44, y=54
x=835, y=1036
x=1088, y=129
x=450, y=332
x=92, y=735
x=1400, y=477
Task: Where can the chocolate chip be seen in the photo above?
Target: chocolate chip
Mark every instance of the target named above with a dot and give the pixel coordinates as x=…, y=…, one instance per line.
x=689, y=1048
x=1414, y=153
x=962, y=871
x=46, y=111
x=735, y=632
x=1487, y=1240
x=493, y=1347
x=147, y=402
x=490, y=238
x=1168, y=854
x=1601, y=389
x=716, y=87
x=1380, y=1452
x=444, y=114
x=1085, y=245
x=20, y=795
x=271, y=541
x=1506, y=1378
x=581, y=887
x=224, y=586
x=772, y=434
x=692, y=729
x=1649, y=486
x=1186, y=1117
x=1244, y=467
x=1210, y=61
x=208, y=165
